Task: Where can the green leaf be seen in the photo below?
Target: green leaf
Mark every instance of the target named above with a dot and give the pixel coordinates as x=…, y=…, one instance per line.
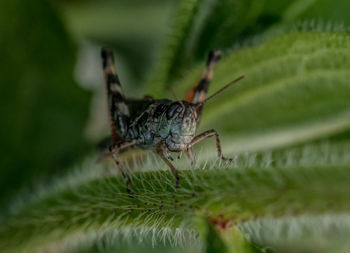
x=293, y=100
x=134, y=33
x=78, y=206
x=171, y=54
x=203, y=25
x=328, y=233
x=220, y=236
x=43, y=111
x=295, y=89
x=213, y=241
x=319, y=10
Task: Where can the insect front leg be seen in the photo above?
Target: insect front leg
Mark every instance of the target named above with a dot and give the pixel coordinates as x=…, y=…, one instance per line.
x=116, y=149
x=161, y=151
x=206, y=135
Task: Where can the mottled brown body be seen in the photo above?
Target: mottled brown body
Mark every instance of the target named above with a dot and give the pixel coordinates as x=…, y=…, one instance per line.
x=163, y=125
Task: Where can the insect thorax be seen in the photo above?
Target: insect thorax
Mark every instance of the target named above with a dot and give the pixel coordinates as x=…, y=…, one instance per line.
x=165, y=120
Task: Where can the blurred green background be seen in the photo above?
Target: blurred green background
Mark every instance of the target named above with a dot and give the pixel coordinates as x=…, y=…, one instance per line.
x=51, y=80
x=53, y=109
x=52, y=97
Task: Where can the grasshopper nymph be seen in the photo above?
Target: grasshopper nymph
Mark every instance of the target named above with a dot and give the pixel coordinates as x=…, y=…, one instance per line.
x=159, y=124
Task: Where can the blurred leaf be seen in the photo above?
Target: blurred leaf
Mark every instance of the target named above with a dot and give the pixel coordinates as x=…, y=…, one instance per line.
x=112, y=21
x=222, y=237
x=132, y=241
x=205, y=24
x=299, y=78
x=212, y=240
x=295, y=89
x=309, y=234
x=223, y=24
x=134, y=28
x=334, y=11
x=172, y=52
x=43, y=111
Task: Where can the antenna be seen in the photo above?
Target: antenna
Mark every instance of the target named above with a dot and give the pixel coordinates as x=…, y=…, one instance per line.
x=219, y=91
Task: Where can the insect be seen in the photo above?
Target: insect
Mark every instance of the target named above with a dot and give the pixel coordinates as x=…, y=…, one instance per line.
x=163, y=125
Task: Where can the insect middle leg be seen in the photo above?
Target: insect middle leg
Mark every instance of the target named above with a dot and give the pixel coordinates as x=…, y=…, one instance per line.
x=206, y=135
x=116, y=149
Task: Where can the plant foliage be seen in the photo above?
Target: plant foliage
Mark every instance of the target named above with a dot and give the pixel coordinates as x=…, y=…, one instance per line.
x=286, y=124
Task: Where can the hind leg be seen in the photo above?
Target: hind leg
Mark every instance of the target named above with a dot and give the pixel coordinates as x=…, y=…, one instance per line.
x=118, y=112
x=199, y=92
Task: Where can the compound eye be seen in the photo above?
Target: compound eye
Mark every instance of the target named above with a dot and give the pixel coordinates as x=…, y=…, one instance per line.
x=173, y=109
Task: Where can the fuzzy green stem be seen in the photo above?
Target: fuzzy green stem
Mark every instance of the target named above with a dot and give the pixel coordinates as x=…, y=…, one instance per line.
x=231, y=194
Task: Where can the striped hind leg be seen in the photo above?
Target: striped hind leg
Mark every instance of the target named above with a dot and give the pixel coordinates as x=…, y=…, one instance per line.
x=118, y=110
x=199, y=92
